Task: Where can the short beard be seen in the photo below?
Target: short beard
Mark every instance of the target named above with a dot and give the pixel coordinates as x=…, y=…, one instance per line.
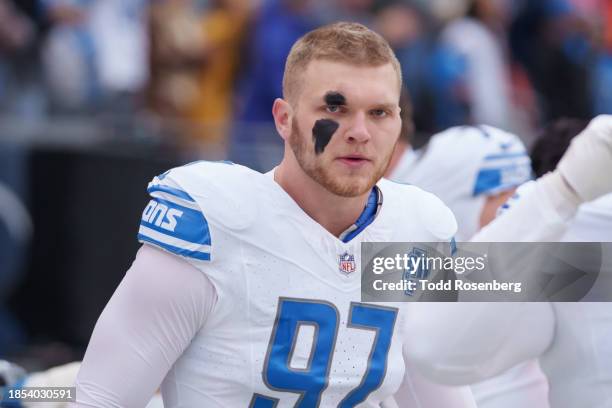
x=314, y=169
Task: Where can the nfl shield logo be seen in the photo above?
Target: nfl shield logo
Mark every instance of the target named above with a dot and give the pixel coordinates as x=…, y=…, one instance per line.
x=347, y=263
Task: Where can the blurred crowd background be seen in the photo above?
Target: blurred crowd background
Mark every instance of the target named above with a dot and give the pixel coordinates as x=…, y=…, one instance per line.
x=98, y=96
x=195, y=69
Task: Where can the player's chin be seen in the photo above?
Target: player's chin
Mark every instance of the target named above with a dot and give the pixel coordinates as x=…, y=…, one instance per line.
x=353, y=185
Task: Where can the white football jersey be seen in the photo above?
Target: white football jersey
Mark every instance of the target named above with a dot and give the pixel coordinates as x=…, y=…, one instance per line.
x=462, y=166
x=593, y=222
x=577, y=362
x=288, y=328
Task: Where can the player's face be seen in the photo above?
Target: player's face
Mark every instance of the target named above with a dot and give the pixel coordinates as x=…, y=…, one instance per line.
x=346, y=124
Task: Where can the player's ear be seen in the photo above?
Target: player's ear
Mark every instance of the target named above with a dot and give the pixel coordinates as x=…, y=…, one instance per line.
x=283, y=116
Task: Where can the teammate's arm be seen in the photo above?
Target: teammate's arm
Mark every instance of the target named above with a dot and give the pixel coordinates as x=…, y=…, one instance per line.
x=473, y=342
x=467, y=344
x=151, y=318
x=416, y=392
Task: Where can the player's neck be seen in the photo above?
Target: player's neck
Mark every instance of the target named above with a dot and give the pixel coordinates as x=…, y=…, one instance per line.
x=332, y=212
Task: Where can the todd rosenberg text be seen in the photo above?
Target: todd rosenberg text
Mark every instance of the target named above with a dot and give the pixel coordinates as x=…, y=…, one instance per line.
x=425, y=285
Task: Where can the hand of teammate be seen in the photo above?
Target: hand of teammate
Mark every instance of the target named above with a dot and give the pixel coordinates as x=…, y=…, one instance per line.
x=586, y=166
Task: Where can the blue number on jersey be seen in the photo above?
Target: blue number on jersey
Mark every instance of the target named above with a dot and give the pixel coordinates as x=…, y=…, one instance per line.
x=382, y=321
x=312, y=381
x=261, y=401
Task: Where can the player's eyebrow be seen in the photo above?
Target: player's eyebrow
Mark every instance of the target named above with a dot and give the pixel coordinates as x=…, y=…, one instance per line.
x=334, y=98
x=387, y=106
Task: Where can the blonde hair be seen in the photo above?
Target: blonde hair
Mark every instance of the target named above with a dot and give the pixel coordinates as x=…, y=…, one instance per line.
x=351, y=43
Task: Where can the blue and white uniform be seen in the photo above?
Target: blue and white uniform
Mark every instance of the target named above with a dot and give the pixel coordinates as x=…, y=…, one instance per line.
x=463, y=166
x=286, y=327
x=476, y=341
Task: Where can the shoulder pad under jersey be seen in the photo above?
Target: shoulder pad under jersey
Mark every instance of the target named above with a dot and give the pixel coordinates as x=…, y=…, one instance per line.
x=192, y=203
x=421, y=206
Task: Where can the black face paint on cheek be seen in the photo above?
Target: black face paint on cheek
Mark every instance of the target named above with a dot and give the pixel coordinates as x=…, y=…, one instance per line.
x=322, y=132
x=334, y=98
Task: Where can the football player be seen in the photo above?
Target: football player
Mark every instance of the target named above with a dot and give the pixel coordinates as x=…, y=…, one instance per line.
x=576, y=360
x=246, y=292
x=571, y=339
x=474, y=170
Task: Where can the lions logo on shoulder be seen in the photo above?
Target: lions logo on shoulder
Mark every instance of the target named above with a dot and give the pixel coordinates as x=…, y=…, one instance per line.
x=346, y=263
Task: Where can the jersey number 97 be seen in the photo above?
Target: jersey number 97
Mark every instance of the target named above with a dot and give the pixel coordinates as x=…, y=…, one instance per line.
x=310, y=382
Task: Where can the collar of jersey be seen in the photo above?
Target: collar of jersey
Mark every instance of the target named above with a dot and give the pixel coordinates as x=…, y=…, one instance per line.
x=369, y=214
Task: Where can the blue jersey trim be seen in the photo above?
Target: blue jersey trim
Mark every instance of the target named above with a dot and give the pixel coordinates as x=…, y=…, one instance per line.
x=199, y=235
x=492, y=180
x=505, y=156
x=176, y=221
x=170, y=190
x=203, y=256
x=367, y=216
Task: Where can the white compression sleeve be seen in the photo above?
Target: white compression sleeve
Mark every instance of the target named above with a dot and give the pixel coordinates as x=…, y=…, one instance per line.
x=418, y=392
x=539, y=212
x=151, y=318
x=523, y=385
x=587, y=163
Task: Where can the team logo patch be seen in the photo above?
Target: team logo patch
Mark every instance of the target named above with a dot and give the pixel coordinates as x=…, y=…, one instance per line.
x=346, y=263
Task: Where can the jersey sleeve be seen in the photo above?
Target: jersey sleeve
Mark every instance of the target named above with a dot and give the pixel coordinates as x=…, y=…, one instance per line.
x=416, y=391
x=174, y=221
x=463, y=343
x=198, y=203
x=437, y=218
